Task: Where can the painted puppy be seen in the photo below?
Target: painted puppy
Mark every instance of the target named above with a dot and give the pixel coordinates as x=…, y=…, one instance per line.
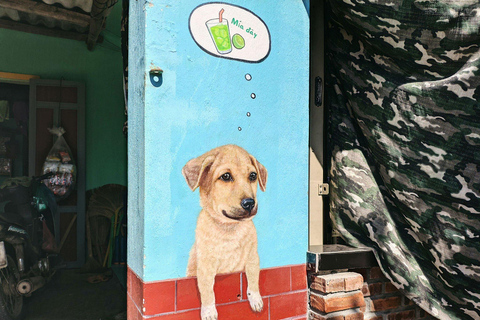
x=225, y=236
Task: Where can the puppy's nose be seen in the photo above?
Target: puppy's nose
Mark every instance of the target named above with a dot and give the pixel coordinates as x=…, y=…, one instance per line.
x=248, y=204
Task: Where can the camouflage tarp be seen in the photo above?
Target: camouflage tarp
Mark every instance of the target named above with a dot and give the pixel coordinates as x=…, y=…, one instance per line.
x=402, y=92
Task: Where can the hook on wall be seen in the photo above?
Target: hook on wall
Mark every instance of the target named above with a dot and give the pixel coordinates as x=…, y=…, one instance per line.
x=156, y=77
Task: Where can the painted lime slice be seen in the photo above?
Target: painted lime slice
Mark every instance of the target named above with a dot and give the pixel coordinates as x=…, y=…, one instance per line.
x=238, y=41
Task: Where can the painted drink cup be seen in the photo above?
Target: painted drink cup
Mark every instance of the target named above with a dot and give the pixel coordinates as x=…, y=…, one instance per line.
x=220, y=33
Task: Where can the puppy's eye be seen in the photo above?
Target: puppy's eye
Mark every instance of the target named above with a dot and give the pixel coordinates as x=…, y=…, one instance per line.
x=253, y=176
x=226, y=177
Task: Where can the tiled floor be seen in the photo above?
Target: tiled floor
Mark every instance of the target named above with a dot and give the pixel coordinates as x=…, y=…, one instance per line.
x=69, y=296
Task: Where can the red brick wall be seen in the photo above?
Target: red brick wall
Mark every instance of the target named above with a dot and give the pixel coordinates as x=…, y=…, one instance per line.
x=384, y=301
x=360, y=294
x=284, y=292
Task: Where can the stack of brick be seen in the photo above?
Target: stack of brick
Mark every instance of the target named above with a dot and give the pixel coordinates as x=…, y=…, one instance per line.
x=359, y=294
x=336, y=296
x=346, y=283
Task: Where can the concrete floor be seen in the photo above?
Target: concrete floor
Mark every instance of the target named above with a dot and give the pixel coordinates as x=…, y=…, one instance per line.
x=70, y=296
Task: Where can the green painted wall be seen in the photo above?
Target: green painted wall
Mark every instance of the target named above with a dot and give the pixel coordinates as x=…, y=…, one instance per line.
x=100, y=70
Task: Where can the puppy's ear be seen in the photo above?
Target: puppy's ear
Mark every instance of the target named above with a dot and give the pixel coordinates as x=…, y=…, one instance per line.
x=262, y=173
x=193, y=170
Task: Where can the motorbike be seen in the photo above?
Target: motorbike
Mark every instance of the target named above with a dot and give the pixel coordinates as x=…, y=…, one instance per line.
x=27, y=242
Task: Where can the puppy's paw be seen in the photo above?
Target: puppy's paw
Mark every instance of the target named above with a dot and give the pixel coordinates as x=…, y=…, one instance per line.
x=209, y=312
x=255, y=299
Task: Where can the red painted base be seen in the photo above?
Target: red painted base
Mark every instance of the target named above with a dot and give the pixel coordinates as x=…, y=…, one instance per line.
x=284, y=292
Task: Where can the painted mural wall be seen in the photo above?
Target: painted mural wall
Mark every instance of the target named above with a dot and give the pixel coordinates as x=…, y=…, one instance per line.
x=218, y=141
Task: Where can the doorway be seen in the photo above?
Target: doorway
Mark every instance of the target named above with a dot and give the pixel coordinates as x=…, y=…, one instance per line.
x=318, y=201
x=24, y=144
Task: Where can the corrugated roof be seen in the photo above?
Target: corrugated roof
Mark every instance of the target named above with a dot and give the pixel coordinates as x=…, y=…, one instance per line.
x=39, y=20
x=85, y=5
x=73, y=19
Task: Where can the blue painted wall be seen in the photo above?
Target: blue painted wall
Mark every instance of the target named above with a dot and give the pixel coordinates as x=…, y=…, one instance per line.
x=204, y=102
x=307, y=6
x=136, y=137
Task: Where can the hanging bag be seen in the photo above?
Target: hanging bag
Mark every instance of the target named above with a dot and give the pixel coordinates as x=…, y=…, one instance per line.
x=61, y=164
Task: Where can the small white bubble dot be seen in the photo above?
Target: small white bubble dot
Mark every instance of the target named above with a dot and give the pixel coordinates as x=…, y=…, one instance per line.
x=248, y=114
x=248, y=77
x=239, y=128
x=253, y=95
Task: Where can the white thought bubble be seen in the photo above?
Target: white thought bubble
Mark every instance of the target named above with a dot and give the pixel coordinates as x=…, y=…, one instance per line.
x=230, y=32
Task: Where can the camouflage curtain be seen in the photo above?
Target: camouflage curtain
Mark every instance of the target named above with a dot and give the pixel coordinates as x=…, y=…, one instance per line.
x=403, y=97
